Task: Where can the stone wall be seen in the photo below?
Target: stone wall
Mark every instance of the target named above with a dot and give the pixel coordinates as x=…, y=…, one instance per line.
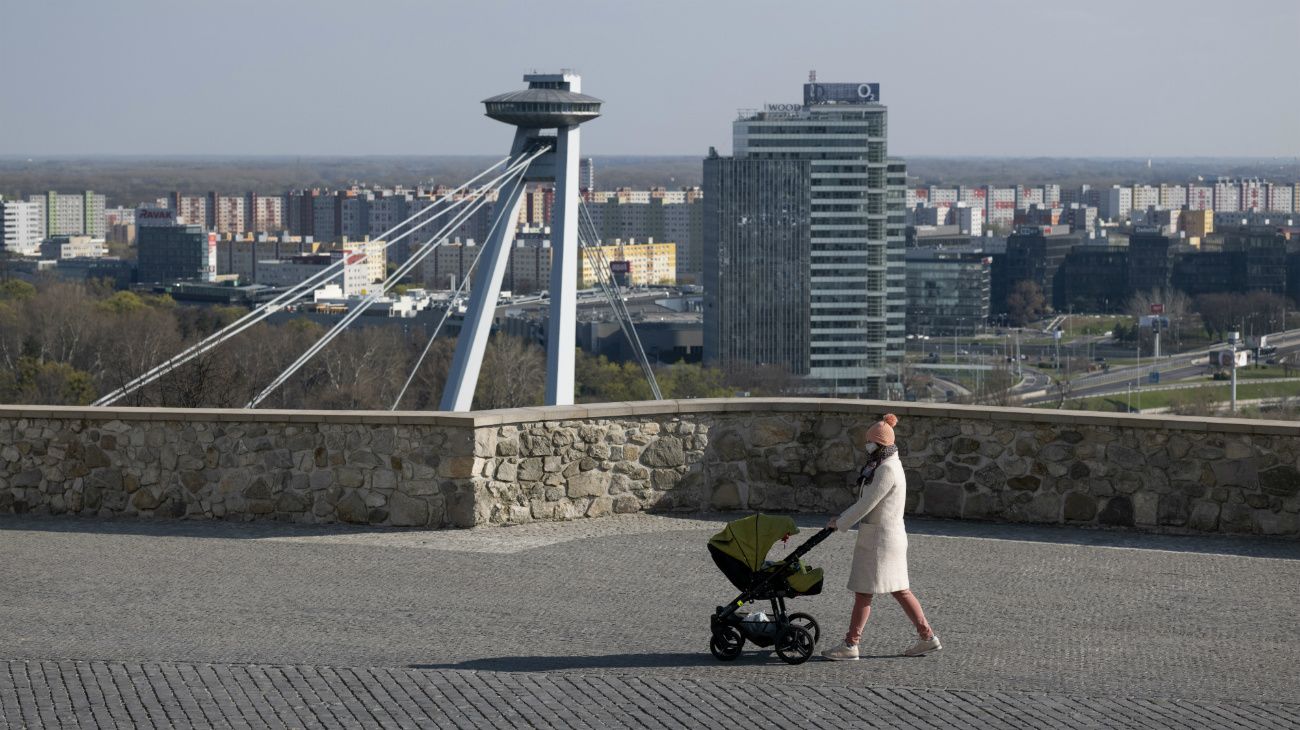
x=293, y=466
x=515, y=466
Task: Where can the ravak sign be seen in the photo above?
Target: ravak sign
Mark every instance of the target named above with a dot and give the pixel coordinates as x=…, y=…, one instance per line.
x=840, y=93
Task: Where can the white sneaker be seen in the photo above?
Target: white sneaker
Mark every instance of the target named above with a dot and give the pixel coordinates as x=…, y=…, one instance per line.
x=842, y=652
x=923, y=647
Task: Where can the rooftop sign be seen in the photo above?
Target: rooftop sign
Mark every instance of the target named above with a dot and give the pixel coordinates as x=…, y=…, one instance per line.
x=860, y=93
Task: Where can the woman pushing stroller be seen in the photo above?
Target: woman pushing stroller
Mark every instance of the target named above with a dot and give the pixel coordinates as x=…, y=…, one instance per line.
x=880, y=555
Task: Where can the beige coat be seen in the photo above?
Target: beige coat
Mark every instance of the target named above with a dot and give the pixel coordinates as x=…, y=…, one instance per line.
x=880, y=556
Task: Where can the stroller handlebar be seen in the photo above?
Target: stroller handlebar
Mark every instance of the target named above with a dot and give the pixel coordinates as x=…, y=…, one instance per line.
x=809, y=544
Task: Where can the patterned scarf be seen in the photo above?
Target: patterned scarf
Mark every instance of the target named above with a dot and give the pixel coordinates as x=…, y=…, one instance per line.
x=882, y=453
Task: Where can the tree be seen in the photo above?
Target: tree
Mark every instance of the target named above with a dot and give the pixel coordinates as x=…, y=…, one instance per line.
x=46, y=383
x=1026, y=303
x=16, y=290
x=513, y=374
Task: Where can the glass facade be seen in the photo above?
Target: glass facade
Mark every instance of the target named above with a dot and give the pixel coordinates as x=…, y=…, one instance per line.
x=756, y=262
x=947, y=293
x=172, y=253
x=857, y=302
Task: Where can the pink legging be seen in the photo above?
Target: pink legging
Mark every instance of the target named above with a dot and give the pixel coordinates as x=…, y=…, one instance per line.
x=862, y=611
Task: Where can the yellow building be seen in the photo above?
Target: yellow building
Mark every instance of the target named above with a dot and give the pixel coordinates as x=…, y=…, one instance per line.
x=648, y=263
x=1197, y=224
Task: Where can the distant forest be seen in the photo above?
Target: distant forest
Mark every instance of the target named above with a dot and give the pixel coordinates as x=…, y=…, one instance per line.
x=131, y=180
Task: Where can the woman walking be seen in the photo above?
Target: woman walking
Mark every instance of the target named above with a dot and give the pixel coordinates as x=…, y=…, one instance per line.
x=880, y=556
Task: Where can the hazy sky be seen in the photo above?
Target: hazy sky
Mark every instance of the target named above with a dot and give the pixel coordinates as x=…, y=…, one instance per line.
x=961, y=77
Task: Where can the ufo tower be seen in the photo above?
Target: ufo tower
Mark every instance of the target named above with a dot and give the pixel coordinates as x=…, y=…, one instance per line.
x=551, y=102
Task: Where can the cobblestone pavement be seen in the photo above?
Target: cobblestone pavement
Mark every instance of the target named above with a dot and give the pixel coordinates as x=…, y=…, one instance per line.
x=144, y=695
x=603, y=623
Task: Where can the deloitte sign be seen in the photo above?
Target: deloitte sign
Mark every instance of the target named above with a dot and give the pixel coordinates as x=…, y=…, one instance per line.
x=841, y=93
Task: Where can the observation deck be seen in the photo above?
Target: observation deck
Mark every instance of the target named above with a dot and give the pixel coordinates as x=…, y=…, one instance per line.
x=543, y=108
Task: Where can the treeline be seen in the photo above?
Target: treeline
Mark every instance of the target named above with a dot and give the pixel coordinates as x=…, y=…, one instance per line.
x=129, y=181
x=67, y=344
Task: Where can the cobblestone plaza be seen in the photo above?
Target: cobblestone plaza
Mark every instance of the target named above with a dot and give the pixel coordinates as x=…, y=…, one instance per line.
x=604, y=623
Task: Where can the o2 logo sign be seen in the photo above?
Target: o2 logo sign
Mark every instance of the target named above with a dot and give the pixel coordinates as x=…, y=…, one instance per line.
x=841, y=93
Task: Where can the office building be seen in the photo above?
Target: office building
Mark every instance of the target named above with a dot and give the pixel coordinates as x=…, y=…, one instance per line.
x=857, y=284
x=22, y=227
x=1092, y=278
x=239, y=255
x=72, y=247
x=169, y=250
x=1035, y=254
x=947, y=291
x=758, y=243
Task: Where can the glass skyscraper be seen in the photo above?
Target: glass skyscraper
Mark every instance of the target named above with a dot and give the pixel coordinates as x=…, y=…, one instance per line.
x=857, y=287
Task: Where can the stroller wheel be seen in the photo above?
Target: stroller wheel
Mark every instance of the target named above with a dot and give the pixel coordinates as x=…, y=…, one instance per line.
x=726, y=643
x=808, y=623
x=794, y=645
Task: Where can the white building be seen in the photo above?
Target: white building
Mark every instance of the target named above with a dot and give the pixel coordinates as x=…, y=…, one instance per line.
x=1116, y=202
x=1028, y=196
x=22, y=227
x=1000, y=207
x=1227, y=196
x=1146, y=196
x=1254, y=195
x=1281, y=198
x=1173, y=197
x=1200, y=197
x=81, y=214
x=72, y=247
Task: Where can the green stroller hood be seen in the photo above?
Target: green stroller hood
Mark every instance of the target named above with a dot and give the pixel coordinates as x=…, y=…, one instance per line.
x=748, y=539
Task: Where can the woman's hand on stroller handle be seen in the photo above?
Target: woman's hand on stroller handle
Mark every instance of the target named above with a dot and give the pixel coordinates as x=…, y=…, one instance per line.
x=831, y=525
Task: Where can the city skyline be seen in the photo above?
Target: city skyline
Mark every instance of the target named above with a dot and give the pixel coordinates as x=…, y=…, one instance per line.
x=962, y=80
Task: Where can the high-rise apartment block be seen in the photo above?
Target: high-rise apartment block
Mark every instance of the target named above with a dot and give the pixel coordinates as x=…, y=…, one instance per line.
x=81, y=214
x=667, y=215
x=856, y=285
x=22, y=226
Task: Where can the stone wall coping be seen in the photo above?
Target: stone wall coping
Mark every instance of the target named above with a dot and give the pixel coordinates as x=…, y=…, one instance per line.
x=869, y=409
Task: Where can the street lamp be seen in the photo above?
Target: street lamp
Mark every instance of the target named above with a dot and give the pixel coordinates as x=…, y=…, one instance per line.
x=1233, y=337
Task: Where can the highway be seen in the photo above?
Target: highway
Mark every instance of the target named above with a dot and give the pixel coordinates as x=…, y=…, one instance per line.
x=1176, y=367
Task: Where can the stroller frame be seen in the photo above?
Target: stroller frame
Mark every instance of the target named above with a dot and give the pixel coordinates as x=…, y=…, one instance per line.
x=794, y=634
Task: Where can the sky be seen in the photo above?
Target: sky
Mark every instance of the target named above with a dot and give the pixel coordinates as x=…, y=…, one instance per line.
x=1098, y=78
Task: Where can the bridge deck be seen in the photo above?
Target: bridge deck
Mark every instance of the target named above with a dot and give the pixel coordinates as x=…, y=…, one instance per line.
x=604, y=622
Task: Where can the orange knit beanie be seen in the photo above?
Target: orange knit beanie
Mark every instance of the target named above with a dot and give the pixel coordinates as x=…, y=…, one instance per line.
x=882, y=431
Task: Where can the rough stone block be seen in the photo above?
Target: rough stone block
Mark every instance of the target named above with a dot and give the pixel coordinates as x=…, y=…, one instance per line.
x=727, y=495
x=1204, y=517
x=587, y=484
x=942, y=500
x=626, y=504
x=1080, y=507
x=1118, y=512
x=1281, y=481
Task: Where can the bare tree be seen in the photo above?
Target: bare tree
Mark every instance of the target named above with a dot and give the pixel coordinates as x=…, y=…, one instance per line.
x=513, y=374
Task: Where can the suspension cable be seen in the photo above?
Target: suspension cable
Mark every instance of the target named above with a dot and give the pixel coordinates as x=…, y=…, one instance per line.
x=451, y=303
x=609, y=286
x=516, y=169
x=290, y=296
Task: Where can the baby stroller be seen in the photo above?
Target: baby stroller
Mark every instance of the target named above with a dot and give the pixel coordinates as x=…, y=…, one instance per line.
x=740, y=550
